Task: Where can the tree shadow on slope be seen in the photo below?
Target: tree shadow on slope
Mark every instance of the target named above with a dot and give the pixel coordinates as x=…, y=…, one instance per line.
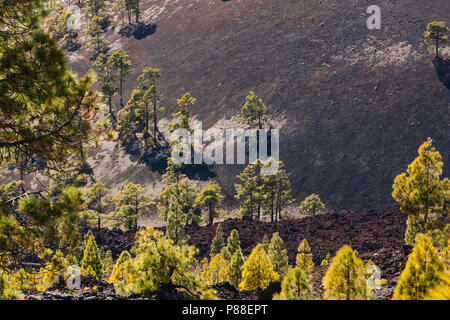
x=138, y=31
x=442, y=67
x=155, y=158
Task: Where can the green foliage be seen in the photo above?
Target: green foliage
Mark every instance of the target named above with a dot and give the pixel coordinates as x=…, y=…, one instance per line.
x=278, y=255
x=119, y=275
x=97, y=41
x=217, y=243
x=346, y=277
x=421, y=193
x=131, y=203
x=295, y=286
x=275, y=190
x=106, y=78
x=304, y=259
x=134, y=118
x=311, y=206
x=435, y=35
x=37, y=84
x=257, y=271
x=248, y=190
x=209, y=198
x=33, y=224
x=253, y=111
x=91, y=264
x=235, y=267
x=217, y=269
x=120, y=63
x=93, y=7
x=327, y=260
x=265, y=243
x=158, y=261
x=181, y=118
x=233, y=245
x=97, y=200
x=421, y=273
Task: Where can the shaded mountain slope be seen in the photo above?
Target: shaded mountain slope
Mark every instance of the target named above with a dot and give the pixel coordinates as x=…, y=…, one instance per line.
x=355, y=103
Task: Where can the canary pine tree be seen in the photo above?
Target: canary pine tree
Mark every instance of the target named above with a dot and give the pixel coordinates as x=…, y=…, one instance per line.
x=217, y=243
x=304, y=259
x=257, y=271
x=327, y=260
x=295, y=286
x=421, y=193
x=131, y=203
x=97, y=41
x=422, y=271
x=91, y=264
x=346, y=278
x=311, y=206
x=234, y=268
x=435, y=35
x=118, y=275
x=278, y=255
x=120, y=63
x=233, y=244
x=217, y=269
x=209, y=198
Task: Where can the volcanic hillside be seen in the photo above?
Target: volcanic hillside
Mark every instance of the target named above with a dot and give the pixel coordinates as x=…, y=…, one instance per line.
x=352, y=104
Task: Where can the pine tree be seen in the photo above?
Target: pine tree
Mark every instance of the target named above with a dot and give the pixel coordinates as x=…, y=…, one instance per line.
x=234, y=268
x=421, y=193
x=97, y=200
x=217, y=243
x=275, y=190
x=345, y=278
x=181, y=118
x=119, y=275
x=278, y=255
x=106, y=79
x=209, y=198
x=34, y=69
x=311, y=206
x=233, y=245
x=176, y=222
x=91, y=265
x=108, y=265
x=257, y=271
x=440, y=291
x=131, y=203
x=421, y=273
x=304, y=259
x=217, y=269
x=254, y=111
x=159, y=262
x=93, y=7
x=435, y=35
x=295, y=286
x=249, y=190
x=97, y=42
x=122, y=65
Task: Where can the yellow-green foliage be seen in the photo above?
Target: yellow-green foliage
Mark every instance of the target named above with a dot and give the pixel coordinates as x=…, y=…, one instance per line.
x=6, y=292
x=278, y=255
x=327, y=260
x=435, y=35
x=108, y=264
x=159, y=261
x=217, y=243
x=421, y=273
x=257, y=270
x=119, y=276
x=312, y=205
x=346, y=279
x=295, y=286
x=304, y=259
x=217, y=269
x=421, y=193
x=440, y=291
x=234, y=268
x=91, y=265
